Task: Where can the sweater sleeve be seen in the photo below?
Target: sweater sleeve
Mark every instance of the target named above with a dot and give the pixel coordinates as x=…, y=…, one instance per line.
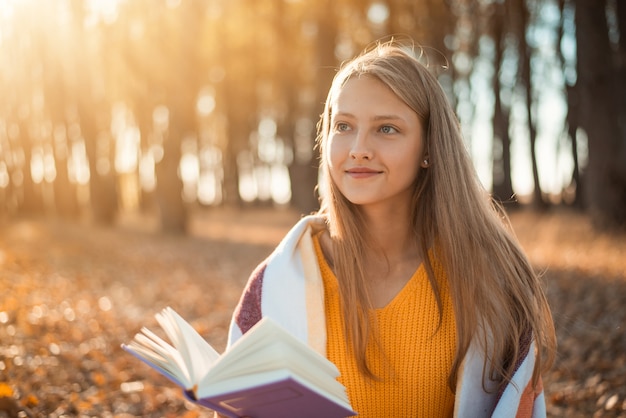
x=248, y=311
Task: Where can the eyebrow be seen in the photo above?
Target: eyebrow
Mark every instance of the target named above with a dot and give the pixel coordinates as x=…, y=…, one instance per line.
x=375, y=118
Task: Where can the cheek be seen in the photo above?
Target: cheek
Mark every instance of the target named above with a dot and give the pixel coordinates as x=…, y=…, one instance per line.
x=409, y=164
x=334, y=157
x=333, y=154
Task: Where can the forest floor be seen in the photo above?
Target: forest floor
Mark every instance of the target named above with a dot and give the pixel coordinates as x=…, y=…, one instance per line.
x=73, y=292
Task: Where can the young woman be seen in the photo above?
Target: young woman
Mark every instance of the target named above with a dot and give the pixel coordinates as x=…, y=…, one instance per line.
x=408, y=278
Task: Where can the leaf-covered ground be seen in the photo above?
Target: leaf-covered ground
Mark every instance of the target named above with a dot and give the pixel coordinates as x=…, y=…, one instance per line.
x=71, y=293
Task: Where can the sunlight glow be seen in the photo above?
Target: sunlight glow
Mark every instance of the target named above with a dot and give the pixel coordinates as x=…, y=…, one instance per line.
x=147, y=175
x=209, y=188
x=78, y=166
x=205, y=105
x=127, y=139
x=48, y=61
x=247, y=187
x=127, y=150
x=49, y=166
x=281, y=184
x=161, y=118
x=4, y=175
x=42, y=165
x=211, y=175
x=189, y=169
x=378, y=13
x=6, y=10
x=36, y=165
x=105, y=11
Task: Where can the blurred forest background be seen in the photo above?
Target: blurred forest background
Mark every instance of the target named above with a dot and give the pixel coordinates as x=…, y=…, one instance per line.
x=114, y=106
x=122, y=119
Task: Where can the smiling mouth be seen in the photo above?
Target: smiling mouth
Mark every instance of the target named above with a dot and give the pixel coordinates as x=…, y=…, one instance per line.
x=360, y=172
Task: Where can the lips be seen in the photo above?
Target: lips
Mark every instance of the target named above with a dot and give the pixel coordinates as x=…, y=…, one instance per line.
x=362, y=172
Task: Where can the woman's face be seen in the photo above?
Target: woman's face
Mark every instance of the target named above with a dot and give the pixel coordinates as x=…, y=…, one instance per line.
x=375, y=144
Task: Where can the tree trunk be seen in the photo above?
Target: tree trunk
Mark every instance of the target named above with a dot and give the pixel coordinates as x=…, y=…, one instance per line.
x=57, y=100
x=572, y=133
x=502, y=187
x=605, y=189
x=102, y=184
x=169, y=190
x=65, y=193
x=305, y=179
x=620, y=74
x=525, y=76
x=572, y=118
x=31, y=202
x=238, y=92
x=93, y=114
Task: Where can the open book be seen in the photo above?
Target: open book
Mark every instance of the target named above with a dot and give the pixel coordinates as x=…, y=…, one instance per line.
x=266, y=373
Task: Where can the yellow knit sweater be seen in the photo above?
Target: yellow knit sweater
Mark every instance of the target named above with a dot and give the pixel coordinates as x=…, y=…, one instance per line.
x=417, y=354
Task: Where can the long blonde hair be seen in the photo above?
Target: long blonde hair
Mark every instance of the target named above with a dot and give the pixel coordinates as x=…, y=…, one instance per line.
x=497, y=298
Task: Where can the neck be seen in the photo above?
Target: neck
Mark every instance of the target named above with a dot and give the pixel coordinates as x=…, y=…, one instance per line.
x=394, y=257
x=391, y=232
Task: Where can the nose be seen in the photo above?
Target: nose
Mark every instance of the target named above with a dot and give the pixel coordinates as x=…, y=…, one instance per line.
x=361, y=149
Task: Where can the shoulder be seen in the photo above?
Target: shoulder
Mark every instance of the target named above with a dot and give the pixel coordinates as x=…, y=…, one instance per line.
x=477, y=395
x=275, y=276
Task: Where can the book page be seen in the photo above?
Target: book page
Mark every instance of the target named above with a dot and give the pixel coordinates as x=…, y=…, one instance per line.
x=277, y=355
x=197, y=354
x=267, y=347
x=265, y=332
x=157, y=353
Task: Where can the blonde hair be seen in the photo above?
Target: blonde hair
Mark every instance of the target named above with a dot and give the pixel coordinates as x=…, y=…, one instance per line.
x=496, y=295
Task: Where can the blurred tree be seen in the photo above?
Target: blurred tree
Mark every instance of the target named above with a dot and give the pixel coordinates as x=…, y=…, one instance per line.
x=520, y=28
x=162, y=86
x=502, y=186
x=572, y=117
x=30, y=202
x=56, y=52
x=182, y=80
x=238, y=90
x=599, y=74
x=620, y=72
x=296, y=121
x=26, y=85
x=92, y=55
x=325, y=63
x=89, y=75
x=137, y=74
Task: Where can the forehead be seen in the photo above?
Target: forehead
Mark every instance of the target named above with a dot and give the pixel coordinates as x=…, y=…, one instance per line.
x=367, y=93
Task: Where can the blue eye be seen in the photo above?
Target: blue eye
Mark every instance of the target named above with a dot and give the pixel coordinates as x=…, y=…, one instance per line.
x=341, y=126
x=387, y=129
